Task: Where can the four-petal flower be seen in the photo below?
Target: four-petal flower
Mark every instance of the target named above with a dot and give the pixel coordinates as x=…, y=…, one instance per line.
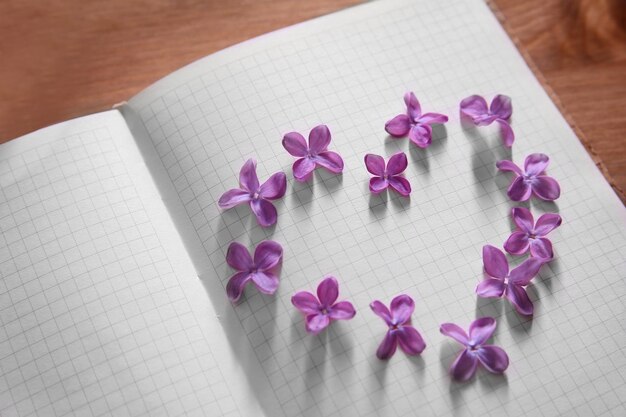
x=499, y=111
x=532, y=180
x=314, y=154
x=258, y=196
x=531, y=235
x=493, y=358
x=400, y=332
x=414, y=123
x=389, y=176
x=261, y=270
x=320, y=311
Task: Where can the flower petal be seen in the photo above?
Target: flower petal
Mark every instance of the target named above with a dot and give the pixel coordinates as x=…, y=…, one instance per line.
x=343, y=310
x=375, y=164
x=474, y=107
x=397, y=163
x=248, y=179
x=517, y=243
x=518, y=297
x=401, y=185
x=302, y=168
x=433, y=118
x=464, y=366
x=523, y=218
x=547, y=223
x=267, y=255
x=495, y=262
x=401, y=308
x=266, y=282
x=306, y=302
x=328, y=291
x=319, y=139
x=234, y=197
x=481, y=330
x=526, y=271
x=236, y=284
x=275, y=186
x=398, y=126
x=330, y=160
x=381, y=311
x=546, y=188
x=413, y=108
x=315, y=323
x=238, y=257
x=506, y=131
x=493, y=358
x=410, y=341
x=421, y=135
x=378, y=184
x=490, y=288
x=536, y=163
x=501, y=106
x=506, y=165
x=388, y=346
x=264, y=211
x=519, y=190
x=295, y=144
x=455, y=332
x=541, y=248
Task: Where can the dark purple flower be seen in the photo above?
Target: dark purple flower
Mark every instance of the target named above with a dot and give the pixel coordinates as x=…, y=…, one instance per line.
x=532, y=180
x=391, y=176
x=258, y=196
x=502, y=283
x=320, y=311
x=475, y=108
x=261, y=270
x=314, y=154
x=530, y=234
x=400, y=332
x=414, y=123
x=493, y=358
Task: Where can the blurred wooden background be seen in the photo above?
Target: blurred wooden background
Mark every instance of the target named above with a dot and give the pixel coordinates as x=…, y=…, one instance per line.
x=62, y=59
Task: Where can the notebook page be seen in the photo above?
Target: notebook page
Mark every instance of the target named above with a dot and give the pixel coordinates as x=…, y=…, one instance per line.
x=350, y=70
x=98, y=315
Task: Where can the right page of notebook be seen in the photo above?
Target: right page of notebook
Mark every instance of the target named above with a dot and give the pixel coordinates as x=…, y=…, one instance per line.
x=350, y=71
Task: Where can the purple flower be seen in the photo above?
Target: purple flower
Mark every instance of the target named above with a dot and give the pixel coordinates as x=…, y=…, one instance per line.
x=493, y=358
x=320, y=311
x=389, y=176
x=502, y=283
x=414, y=123
x=261, y=270
x=400, y=332
x=312, y=155
x=533, y=180
x=257, y=196
x=475, y=108
x=530, y=234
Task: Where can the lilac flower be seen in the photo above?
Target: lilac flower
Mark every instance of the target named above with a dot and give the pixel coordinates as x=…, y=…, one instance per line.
x=530, y=234
x=475, y=108
x=261, y=270
x=400, y=332
x=502, y=283
x=532, y=180
x=320, y=311
x=414, y=123
x=312, y=155
x=389, y=176
x=257, y=196
x=493, y=358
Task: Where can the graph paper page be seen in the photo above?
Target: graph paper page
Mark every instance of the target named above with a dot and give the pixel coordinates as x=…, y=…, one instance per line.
x=98, y=312
x=350, y=71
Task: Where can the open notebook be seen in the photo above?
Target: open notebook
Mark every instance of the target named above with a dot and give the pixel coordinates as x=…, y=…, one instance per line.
x=112, y=253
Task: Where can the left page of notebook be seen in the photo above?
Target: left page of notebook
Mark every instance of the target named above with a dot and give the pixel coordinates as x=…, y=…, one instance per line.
x=99, y=306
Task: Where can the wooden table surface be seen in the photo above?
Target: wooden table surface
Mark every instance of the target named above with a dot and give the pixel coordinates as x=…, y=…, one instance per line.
x=64, y=59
